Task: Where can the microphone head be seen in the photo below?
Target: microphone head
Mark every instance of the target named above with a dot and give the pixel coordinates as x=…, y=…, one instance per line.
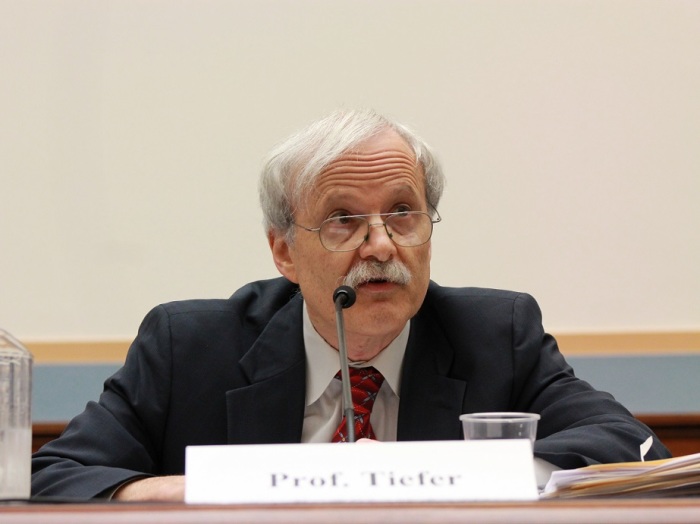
x=346, y=295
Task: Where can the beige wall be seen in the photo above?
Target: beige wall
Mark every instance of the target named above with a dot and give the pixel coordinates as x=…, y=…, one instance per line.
x=131, y=134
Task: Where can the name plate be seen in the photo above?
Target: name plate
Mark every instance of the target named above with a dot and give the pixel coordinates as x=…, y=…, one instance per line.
x=479, y=470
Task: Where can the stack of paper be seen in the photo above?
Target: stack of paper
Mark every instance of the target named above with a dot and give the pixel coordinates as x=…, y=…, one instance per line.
x=671, y=477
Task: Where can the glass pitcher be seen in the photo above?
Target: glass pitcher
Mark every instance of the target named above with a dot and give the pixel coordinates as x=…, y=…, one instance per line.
x=15, y=418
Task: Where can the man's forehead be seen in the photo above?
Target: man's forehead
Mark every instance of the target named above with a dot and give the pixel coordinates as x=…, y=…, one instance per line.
x=384, y=159
x=384, y=154
x=361, y=197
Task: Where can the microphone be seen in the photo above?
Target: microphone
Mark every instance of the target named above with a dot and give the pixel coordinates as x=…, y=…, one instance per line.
x=346, y=295
x=343, y=298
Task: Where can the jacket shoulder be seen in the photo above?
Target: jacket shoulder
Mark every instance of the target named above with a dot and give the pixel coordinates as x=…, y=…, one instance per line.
x=478, y=309
x=438, y=292
x=251, y=306
x=266, y=295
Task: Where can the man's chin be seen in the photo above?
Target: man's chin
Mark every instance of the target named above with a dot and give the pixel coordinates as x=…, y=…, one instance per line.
x=377, y=317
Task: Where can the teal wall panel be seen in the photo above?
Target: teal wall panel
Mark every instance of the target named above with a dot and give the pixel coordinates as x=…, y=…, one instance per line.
x=644, y=384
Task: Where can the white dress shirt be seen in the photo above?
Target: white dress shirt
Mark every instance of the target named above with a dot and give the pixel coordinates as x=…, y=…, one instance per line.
x=324, y=404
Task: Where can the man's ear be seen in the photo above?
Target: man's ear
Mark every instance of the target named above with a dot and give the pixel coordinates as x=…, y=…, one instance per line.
x=282, y=256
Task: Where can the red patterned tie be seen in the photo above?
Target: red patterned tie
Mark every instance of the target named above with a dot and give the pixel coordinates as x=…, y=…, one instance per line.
x=365, y=384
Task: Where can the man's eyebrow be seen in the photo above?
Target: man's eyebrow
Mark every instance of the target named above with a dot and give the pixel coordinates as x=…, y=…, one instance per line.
x=407, y=189
x=343, y=198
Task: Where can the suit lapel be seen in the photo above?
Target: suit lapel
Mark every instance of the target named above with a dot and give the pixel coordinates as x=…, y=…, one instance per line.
x=431, y=402
x=271, y=408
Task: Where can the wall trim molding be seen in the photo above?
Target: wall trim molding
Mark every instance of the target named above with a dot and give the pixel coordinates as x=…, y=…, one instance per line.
x=571, y=344
x=629, y=343
x=78, y=351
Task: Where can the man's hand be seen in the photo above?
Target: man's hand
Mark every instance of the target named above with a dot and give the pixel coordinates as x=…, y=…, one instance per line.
x=154, y=489
x=166, y=489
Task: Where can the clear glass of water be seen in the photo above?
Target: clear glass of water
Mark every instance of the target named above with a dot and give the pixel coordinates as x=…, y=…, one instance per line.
x=500, y=425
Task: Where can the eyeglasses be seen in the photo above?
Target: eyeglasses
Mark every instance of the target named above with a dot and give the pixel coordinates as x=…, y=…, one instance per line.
x=347, y=233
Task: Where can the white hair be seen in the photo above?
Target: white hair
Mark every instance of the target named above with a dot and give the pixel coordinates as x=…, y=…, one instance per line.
x=292, y=167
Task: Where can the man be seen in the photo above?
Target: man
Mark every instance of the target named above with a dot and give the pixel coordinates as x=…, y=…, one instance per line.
x=352, y=200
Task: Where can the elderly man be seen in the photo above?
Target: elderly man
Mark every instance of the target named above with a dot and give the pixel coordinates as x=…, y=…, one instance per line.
x=352, y=199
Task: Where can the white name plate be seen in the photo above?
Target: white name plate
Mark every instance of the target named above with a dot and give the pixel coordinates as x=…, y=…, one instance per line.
x=479, y=470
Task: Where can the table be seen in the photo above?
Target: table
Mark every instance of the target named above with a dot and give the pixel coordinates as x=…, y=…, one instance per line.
x=609, y=511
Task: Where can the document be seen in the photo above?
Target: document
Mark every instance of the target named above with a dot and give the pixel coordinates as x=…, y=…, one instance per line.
x=673, y=477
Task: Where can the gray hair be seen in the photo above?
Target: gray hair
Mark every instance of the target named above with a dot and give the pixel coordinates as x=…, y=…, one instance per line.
x=292, y=167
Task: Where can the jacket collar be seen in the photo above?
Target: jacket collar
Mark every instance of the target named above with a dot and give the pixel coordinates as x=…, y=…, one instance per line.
x=271, y=408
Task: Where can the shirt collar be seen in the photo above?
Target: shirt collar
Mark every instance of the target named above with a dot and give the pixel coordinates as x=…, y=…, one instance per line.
x=326, y=364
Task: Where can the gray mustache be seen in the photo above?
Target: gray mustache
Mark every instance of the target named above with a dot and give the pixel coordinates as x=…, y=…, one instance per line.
x=366, y=271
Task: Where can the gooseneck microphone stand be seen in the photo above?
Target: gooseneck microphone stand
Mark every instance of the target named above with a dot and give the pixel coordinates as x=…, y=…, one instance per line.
x=343, y=298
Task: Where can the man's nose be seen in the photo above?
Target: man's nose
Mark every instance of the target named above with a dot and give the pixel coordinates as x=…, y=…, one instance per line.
x=378, y=244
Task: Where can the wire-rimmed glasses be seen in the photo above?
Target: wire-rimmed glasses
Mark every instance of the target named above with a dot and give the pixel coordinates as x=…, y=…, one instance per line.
x=347, y=233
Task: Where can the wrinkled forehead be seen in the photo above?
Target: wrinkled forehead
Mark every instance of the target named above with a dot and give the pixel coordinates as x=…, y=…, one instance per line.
x=383, y=156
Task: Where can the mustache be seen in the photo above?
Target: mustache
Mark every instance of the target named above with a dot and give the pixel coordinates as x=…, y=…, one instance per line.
x=365, y=271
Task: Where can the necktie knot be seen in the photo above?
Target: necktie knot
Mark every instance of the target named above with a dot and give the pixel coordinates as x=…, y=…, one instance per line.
x=364, y=384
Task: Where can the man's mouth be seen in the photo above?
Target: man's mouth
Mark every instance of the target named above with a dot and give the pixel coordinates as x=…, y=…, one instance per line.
x=375, y=283
x=377, y=274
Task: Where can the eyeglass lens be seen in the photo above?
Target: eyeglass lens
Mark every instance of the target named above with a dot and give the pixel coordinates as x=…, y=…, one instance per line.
x=348, y=233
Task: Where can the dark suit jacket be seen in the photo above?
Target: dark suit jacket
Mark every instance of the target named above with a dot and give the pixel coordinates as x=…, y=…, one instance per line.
x=233, y=371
